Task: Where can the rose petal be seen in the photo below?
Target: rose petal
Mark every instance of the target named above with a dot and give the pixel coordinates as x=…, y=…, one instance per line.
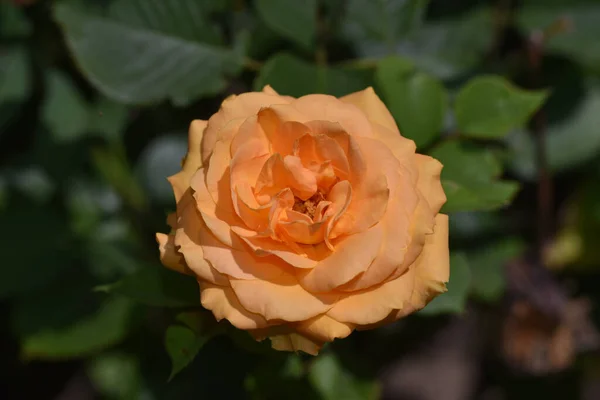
x=224, y=304
x=429, y=181
x=283, y=300
x=279, y=173
x=282, y=126
x=413, y=289
x=323, y=328
x=295, y=342
x=328, y=108
x=353, y=254
x=169, y=256
x=372, y=106
x=234, y=107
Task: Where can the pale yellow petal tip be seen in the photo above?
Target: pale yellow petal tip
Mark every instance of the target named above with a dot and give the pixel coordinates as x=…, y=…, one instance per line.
x=295, y=342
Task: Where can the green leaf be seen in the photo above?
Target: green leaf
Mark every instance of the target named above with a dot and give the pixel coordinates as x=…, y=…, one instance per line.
x=116, y=375
x=470, y=177
x=65, y=112
x=295, y=20
x=15, y=77
x=183, y=344
x=158, y=286
x=444, y=48
x=487, y=267
x=333, y=382
x=579, y=36
x=383, y=21
x=308, y=78
x=138, y=51
x=108, y=326
x=490, y=107
x=455, y=299
x=417, y=100
x=569, y=143
x=13, y=22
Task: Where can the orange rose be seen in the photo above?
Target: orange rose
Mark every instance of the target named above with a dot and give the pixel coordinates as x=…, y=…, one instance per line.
x=304, y=219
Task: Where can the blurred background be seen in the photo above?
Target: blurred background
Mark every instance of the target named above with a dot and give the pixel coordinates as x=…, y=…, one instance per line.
x=95, y=101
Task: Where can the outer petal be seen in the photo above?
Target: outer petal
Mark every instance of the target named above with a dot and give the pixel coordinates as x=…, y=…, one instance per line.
x=324, y=328
x=370, y=104
x=192, y=161
x=429, y=181
x=285, y=300
x=410, y=291
x=295, y=342
x=169, y=255
x=222, y=302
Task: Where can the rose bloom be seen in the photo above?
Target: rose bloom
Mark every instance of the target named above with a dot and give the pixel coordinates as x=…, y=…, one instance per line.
x=304, y=219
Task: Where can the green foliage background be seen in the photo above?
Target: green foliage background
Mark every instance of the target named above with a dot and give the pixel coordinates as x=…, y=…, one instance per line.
x=95, y=101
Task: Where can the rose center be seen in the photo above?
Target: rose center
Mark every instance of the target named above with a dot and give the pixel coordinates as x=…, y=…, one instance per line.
x=309, y=206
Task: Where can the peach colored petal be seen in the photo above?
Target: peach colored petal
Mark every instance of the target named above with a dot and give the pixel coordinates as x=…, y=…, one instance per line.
x=323, y=328
x=317, y=149
x=295, y=342
x=372, y=106
x=218, y=219
x=234, y=107
x=188, y=241
x=224, y=304
x=269, y=90
x=169, y=256
x=239, y=264
x=282, y=300
x=429, y=181
x=370, y=191
x=279, y=173
x=300, y=228
x=254, y=215
x=400, y=146
x=283, y=126
x=353, y=254
x=328, y=108
x=410, y=291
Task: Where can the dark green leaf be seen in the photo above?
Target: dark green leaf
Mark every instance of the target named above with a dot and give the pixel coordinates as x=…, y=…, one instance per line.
x=15, y=78
x=470, y=177
x=308, y=78
x=295, y=20
x=490, y=107
x=333, y=382
x=108, y=326
x=158, y=286
x=108, y=119
x=139, y=51
x=182, y=344
x=417, y=100
x=65, y=112
x=444, y=48
x=13, y=21
x=487, y=267
x=455, y=299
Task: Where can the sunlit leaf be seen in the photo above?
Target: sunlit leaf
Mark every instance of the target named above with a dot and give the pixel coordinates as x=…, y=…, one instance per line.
x=490, y=107
x=116, y=375
x=417, y=100
x=138, y=51
x=470, y=178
